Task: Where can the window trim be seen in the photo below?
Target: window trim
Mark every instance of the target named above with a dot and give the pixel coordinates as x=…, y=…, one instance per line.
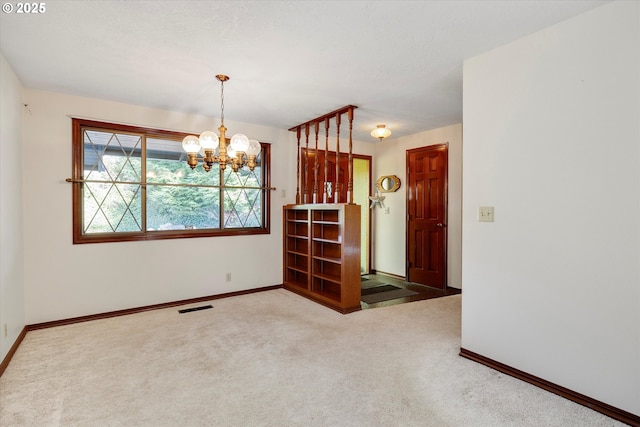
x=79, y=124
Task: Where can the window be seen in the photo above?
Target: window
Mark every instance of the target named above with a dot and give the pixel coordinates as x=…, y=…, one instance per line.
x=132, y=183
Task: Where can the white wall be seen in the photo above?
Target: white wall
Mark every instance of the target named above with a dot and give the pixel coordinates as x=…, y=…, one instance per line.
x=11, y=259
x=552, y=140
x=63, y=280
x=389, y=235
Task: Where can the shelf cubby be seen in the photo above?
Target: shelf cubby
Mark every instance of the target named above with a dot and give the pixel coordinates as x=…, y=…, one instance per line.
x=326, y=289
x=297, y=279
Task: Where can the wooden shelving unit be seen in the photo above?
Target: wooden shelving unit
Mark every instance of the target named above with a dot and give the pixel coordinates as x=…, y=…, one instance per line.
x=322, y=253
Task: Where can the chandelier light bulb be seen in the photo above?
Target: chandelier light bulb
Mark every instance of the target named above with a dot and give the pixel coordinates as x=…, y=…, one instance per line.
x=191, y=144
x=239, y=142
x=254, y=148
x=209, y=140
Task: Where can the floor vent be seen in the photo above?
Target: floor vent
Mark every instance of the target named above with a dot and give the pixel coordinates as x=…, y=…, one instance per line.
x=189, y=310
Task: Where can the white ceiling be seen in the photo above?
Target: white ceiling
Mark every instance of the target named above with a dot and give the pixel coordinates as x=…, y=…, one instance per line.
x=400, y=62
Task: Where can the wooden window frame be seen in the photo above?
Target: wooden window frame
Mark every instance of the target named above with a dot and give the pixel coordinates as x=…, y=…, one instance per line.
x=77, y=183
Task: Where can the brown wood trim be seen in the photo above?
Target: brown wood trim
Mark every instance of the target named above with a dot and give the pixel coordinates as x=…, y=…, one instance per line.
x=596, y=405
x=321, y=301
x=127, y=311
x=79, y=124
x=322, y=118
x=383, y=273
x=12, y=350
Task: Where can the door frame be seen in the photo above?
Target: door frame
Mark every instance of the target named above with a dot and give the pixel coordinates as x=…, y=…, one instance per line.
x=445, y=239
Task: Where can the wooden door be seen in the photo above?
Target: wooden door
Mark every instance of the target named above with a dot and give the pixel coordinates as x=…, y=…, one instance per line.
x=426, y=216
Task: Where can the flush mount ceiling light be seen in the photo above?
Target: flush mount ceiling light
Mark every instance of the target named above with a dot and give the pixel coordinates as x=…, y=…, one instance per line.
x=380, y=132
x=241, y=151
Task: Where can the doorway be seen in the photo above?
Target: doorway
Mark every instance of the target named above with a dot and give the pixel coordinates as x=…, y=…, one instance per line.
x=427, y=215
x=361, y=193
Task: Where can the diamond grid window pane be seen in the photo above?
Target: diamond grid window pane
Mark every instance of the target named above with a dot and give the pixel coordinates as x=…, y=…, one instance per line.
x=244, y=177
x=110, y=207
x=243, y=206
x=112, y=156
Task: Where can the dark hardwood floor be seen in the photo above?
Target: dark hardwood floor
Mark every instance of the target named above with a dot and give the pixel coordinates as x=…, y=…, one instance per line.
x=424, y=292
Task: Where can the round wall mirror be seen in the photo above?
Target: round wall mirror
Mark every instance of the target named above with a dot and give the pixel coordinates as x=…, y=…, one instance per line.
x=388, y=183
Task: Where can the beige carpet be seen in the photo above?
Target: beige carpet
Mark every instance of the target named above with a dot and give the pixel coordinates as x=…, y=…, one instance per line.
x=270, y=359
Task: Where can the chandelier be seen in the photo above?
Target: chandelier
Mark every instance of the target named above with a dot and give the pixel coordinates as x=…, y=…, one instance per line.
x=380, y=132
x=240, y=152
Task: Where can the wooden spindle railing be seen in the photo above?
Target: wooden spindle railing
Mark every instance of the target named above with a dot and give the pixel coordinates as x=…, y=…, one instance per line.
x=306, y=165
x=325, y=194
x=350, y=160
x=298, y=170
x=316, y=165
x=337, y=189
x=330, y=190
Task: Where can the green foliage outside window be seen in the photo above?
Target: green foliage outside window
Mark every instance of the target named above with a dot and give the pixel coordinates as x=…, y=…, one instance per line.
x=135, y=183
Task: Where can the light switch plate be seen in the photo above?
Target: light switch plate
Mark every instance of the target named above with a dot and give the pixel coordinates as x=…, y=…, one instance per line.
x=485, y=213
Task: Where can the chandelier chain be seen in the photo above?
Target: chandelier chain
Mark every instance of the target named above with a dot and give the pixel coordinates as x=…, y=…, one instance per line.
x=222, y=101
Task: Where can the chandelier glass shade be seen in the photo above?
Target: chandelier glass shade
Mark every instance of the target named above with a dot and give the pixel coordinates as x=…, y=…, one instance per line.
x=213, y=148
x=380, y=132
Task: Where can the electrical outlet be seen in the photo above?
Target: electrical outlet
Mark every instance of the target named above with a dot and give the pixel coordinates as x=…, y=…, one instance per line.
x=227, y=277
x=6, y=331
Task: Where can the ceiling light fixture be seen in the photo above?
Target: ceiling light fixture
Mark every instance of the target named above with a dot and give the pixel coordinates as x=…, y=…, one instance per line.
x=207, y=143
x=380, y=132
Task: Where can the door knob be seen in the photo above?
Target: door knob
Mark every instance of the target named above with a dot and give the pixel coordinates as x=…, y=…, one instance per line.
x=439, y=225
